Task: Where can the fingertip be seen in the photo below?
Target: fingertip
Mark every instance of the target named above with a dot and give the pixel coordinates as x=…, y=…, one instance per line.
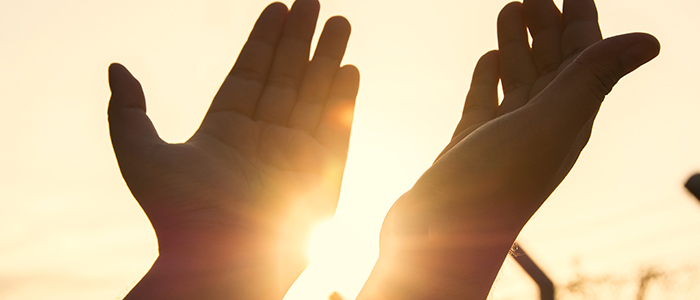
x=346, y=85
x=334, y=39
x=510, y=8
x=277, y=7
x=513, y=5
x=117, y=75
x=118, y=71
x=339, y=22
x=313, y=5
x=274, y=13
x=576, y=11
x=350, y=75
x=627, y=51
x=535, y=7
x=340, y=27
x=512, y=30
x=487, y=67
x=490, y=56
x=351, y=69
x=645, y=49
x=115, y=66
x=126, y=90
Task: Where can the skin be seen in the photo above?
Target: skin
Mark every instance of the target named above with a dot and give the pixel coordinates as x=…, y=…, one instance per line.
x=233, y=206
x=447, y=237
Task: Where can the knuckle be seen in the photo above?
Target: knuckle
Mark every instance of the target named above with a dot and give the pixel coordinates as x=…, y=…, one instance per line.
x=601, y=78
x=515, y=84
x=283, y=81
x=549, y=67
x=313, y=99
x=246, y=74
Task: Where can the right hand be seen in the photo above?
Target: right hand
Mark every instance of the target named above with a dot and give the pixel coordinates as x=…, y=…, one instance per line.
x=448, y=236
x=233, y=206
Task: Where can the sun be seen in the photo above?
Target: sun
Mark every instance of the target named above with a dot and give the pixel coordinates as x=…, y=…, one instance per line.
x=341, y=261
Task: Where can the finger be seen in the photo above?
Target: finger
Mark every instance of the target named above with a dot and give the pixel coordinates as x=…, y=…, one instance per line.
x=482, y=99
x=243, y=86
x=568, y=103
x=517, y=68
x=333, y=131
x=544, y=22
x=289, y=64
x=131, y=131
x=580, y=26
x=319, y=75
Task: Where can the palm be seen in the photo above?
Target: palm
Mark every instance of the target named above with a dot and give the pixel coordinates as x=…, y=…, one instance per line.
x=527, y=74
x=272, y=167
x=526, y=71
x=267, y=161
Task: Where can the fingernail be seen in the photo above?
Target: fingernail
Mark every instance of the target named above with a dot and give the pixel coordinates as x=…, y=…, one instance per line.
x=639, y=53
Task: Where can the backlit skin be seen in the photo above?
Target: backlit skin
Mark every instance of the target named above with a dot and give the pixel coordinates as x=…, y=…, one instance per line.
x=233, y=206
x=447, y=237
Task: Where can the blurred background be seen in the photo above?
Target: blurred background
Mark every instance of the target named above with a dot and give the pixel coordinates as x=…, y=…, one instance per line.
x=620, y=226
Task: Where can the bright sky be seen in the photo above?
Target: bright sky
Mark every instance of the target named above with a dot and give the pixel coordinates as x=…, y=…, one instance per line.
x=71, y=230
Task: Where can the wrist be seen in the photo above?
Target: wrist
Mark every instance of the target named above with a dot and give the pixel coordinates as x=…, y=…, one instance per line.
x=203, y=274
x=188, y=278
x=431, y=250
x=212, y=264
x=428, y=215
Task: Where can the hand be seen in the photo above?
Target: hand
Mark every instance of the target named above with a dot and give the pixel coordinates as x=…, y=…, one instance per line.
x=448, y=236
x=233, y=206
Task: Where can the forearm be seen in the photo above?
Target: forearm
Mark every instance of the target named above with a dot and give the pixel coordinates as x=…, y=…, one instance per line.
x=427, y=253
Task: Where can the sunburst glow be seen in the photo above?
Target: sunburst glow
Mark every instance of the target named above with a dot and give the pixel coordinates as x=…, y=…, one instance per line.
x=341, y=261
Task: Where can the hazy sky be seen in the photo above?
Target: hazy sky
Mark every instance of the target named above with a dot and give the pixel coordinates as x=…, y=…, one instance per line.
x=71, y=229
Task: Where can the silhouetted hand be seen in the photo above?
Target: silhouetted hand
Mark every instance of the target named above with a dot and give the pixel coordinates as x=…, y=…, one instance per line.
x=232, y=206
x=448, y=236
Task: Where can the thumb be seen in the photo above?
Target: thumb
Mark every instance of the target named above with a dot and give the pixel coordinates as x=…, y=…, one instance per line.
x=575, y=95
x=130, y=129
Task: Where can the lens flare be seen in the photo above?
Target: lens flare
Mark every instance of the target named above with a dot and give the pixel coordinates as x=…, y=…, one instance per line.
x=341, y=261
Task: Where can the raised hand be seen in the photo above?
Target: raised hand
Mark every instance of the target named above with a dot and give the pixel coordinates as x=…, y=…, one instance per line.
x=447, y=237
x=233, y=206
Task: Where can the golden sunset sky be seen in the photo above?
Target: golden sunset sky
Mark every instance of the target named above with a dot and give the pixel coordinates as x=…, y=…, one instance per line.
x=70, y=229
